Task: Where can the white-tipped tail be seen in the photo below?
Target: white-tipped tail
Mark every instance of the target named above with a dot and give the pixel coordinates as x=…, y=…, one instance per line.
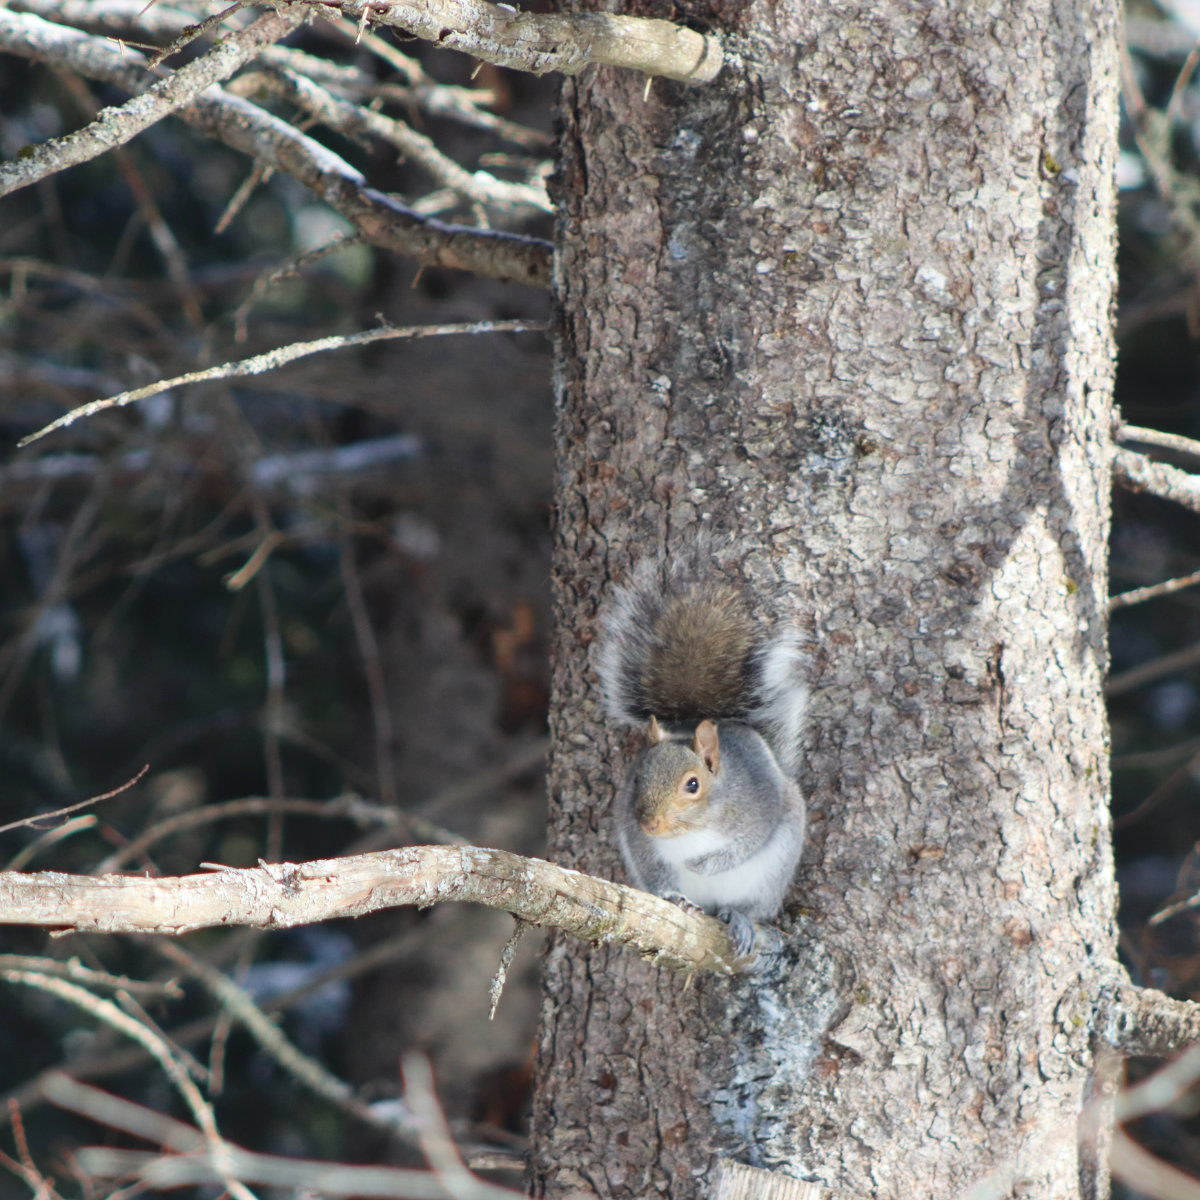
x=782, y=698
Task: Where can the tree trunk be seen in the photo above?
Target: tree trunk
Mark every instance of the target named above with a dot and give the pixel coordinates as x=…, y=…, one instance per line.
x=851, y=306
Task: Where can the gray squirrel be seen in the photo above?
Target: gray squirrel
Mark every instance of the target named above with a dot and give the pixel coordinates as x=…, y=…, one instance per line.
x=710, y=813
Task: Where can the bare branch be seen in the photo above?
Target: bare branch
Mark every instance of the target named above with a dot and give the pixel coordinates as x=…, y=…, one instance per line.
x=541, y=42
x=433, y=1130
x=118, y=18
x=283, y=895
x=36, y=821
x=1147, y=1174
x=494, y=33
x=158, y=1047
x=239, y=1004
x=330, y=110
x=342, y=808
x=1152, y=591
x=1136, y=473
x=1143, y=1021
x=273, y=359
x=1148, y=672
x=1157, y=437
x=381, y=219
x=74, y=970
x=115, y=126
x=192, y=1162
x=103, y=1063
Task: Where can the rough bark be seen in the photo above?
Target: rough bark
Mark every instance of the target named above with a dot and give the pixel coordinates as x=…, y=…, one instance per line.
x=851, y=306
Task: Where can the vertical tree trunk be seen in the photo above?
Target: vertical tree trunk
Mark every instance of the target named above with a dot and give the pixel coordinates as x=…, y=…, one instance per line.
x=851, y=305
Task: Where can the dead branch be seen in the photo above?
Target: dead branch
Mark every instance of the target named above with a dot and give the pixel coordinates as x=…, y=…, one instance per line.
x=1153, y=591
x=1147, y=1174
x=541, y=42
x=160, y=1049
x=307, y=1071
x=116, y=18
x=115, y=126
x=283, y=895
x=280, y=356
x=478, y=186
x=1158, y=437
x=89, y=977
x=1145, y=1022
x=381, y=219
x=495, y=33
x=1136, y=473
x=193, y=1161
x=104, y=1063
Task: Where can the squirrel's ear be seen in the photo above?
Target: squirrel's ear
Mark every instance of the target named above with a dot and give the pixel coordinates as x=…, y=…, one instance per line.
x=654, y=733
x=707, y=745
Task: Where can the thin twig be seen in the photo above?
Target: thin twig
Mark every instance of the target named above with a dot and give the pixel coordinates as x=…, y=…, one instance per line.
x=273, y=359
x=35, y=821
x=51, y=837
x=346, y=808
x=1148, y=672
x=368, y=650
x=1152, y=591
x=1157, y=437
x=191, y=1165
x=355, y=122
x=112, y=1062
x=74, y=970
x=157, y=1047
x=239, y=1004
x=504, y=965
x=287, y=270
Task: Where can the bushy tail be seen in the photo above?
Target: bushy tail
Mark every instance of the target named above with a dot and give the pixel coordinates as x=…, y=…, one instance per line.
x=782, y=698
x=681, y=647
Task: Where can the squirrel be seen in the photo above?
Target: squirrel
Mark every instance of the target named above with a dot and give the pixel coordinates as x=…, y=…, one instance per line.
x=710, y=814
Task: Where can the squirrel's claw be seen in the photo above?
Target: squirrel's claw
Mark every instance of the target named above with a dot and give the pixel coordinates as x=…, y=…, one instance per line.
x=683, y=902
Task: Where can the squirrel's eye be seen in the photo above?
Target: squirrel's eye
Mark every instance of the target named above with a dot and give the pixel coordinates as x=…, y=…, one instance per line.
x=691, y=784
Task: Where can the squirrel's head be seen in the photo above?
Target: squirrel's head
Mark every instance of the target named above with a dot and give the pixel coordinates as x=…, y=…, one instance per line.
x=676, y=777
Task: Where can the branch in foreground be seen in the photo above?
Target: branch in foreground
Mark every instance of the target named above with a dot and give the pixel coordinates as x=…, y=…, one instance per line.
x=381, y=219
x=282, y=895
x=541, y=42
x=1136, y=473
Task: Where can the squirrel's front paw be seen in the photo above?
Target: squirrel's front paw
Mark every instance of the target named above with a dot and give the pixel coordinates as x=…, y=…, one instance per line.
x=743, y=932
x=683, y=902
